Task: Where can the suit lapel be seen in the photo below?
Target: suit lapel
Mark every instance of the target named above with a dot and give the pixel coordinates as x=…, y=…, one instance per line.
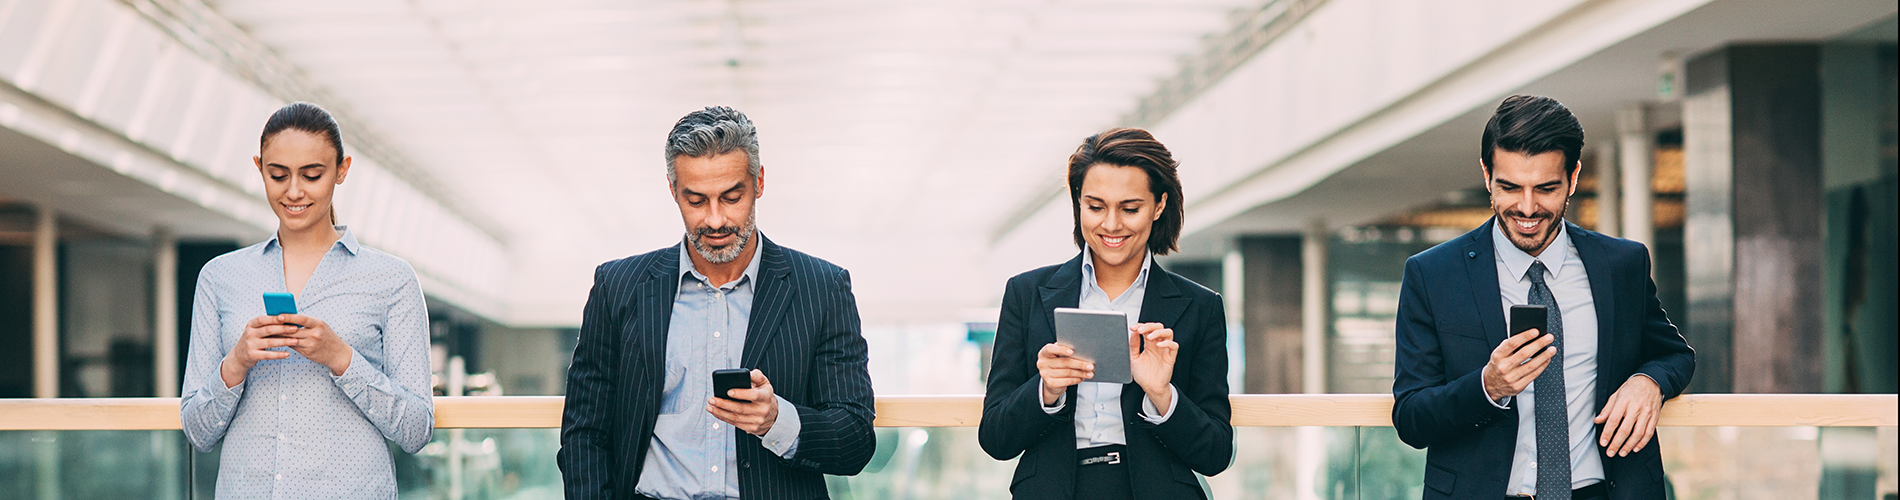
x=1163, y=303
x=1602, y=292
x=647, y=340
x=1481, y=270
x=772, y=294
x=1063, y=289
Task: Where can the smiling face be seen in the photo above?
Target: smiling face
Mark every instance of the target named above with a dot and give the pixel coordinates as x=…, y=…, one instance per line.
x=1117, y=211
x=301, y=173
x=1529, y=194
x=717, y=201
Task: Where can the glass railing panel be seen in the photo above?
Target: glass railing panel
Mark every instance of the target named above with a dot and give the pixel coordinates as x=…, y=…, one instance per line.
x=1319, y=463
x=92, y=464
x=926, y=464
x=1389, y=468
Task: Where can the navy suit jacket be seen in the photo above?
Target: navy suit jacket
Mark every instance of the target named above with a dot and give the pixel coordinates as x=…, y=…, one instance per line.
x=1162, y=459
x=803, y=333
x=1450, y=320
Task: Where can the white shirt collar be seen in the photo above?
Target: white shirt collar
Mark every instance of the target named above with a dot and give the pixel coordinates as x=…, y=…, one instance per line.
x=1141, y=280
x=347, y=239
x=1519, y=263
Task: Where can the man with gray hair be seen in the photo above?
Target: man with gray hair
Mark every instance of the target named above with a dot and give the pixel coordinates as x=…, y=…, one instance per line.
x=658, y=325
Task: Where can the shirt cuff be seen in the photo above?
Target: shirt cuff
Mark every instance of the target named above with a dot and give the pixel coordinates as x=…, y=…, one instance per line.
x=783, y=438
x=1148, y=407
x=356, y=375
x=1061, y=401
x=1503, y=403
x=232, y=392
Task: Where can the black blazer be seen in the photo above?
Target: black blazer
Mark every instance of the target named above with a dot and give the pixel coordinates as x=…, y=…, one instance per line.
x=803, y=333
x=1162, y=459
x=1449, y=322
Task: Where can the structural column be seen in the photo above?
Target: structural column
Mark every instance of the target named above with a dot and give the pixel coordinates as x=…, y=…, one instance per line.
x=1635, y=157
x=165, y=313
x=1609, y=190
x=1315, y=307
x=46, y=305
x=1751, y=130
x=1271, y=313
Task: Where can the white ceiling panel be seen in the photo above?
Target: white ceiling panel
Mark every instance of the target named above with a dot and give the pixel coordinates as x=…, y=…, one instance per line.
x=884, y=124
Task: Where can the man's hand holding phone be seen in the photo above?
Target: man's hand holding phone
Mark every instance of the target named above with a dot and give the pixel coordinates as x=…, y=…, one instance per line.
x=755, y=410
x=1516, y=362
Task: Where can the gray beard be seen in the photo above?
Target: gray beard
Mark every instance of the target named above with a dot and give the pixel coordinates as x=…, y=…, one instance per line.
x=731, y=252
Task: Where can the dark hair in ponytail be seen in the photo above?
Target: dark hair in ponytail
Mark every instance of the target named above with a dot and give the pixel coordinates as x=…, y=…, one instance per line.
x=305, y=117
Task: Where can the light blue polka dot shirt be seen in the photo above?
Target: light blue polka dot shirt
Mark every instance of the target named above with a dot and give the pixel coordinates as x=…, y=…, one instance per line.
x=291, y=429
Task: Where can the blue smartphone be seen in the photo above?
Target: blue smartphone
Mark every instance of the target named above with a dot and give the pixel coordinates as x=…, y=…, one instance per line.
x=276, y=303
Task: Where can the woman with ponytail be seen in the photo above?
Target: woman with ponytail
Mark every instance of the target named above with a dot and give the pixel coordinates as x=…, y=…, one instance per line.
x=304, y=402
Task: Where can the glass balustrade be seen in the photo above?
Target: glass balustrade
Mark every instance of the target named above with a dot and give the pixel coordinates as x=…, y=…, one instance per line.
x=1319, y=463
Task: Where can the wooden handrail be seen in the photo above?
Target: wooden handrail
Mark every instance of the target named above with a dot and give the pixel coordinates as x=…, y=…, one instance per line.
x=1250, y=410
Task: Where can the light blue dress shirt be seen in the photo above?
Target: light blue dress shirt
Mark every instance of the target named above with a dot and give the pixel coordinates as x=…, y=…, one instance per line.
x=1570, y=285
x=694, y=454
x=290, y=429
x=1098, y=410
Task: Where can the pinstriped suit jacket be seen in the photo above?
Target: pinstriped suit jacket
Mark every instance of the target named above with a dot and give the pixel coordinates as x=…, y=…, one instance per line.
x=803, y=333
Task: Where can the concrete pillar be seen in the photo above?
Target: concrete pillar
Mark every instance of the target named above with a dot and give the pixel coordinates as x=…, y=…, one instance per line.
x=1609, y=190
x=1635, y=157
x=165, y=313
x=1271, y=313
x=1233, y=294
x=1315, y=307
x=46, y=305
x=1752, y=122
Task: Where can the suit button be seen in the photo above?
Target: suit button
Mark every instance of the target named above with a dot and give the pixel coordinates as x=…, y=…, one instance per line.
x=1612, y=484
x=745, y=465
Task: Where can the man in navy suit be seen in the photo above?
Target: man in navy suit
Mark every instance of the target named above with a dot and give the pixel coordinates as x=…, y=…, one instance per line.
x=1500, y=418
x=642, y=419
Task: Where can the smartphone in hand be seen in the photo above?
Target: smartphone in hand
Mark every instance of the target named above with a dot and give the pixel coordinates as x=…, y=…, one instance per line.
x=276, y=303
x=731, y=378
x=1528, y=317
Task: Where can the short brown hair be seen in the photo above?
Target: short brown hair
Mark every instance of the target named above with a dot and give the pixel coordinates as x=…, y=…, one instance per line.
x=1131, y=147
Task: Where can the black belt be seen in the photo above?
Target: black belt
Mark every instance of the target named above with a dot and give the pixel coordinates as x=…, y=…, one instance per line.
x=1599, y=490
x=1100, y=455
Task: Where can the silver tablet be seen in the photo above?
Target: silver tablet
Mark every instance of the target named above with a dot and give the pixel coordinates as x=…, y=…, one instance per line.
x=1099, y=337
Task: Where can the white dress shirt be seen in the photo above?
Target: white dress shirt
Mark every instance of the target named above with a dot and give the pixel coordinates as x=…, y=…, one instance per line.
x=1098, y=411
x=1570, y=286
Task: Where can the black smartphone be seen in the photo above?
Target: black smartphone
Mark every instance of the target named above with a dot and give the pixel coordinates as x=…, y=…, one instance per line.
x=1529, y=317
x=731, y=378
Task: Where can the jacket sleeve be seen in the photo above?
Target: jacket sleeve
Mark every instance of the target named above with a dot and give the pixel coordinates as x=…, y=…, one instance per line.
x=1429, y=405
x=1200, y=433
x=1667, y=358
x=835, y=435
x=586, y=455
x=1013, y=418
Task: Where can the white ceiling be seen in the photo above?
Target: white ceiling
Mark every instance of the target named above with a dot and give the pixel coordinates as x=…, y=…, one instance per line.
x=895, y=135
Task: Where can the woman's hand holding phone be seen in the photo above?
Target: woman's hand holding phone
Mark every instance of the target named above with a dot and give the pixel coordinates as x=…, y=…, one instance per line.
x=261, y=335
x=318, y=342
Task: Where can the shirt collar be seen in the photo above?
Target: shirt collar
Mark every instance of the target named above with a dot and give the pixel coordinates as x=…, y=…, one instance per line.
x=348, y=241
x=1519, y=263
x=751, y=268
x=1141, y=280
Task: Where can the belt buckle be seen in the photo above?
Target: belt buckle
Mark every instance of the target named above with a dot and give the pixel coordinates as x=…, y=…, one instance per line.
x=1114, y=457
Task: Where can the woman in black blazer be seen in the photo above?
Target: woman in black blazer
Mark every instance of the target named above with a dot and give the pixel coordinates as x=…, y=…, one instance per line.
x=1093, y=440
